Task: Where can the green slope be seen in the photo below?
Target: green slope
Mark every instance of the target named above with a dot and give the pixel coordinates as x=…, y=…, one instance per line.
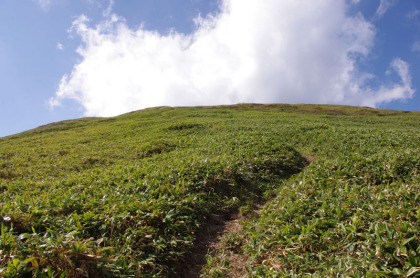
x=125, y=196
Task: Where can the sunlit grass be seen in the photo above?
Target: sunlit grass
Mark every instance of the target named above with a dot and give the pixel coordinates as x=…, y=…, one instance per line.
x=125, y=196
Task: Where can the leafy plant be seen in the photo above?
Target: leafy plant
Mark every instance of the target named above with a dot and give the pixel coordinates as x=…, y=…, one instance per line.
x=126, y=196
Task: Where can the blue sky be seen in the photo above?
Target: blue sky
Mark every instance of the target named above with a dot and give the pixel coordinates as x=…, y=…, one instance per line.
x=65, y=59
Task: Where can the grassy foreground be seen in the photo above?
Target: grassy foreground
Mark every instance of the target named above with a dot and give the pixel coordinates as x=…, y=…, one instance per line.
x=125, y=196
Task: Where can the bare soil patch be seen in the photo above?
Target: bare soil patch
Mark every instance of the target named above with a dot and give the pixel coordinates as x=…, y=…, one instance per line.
x=206, y=239
x=210, y=239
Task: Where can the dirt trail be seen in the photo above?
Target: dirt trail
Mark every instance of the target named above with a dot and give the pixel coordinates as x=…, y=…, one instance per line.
x=210, y=240
x=207, y=239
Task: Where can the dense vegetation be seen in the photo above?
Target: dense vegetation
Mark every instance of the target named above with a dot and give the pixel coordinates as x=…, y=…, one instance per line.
x=125, y=196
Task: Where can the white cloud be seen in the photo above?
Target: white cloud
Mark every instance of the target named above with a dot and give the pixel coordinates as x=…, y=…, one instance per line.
x=60, y=46
x=291, y=51
x=384, y=6
x=100, y=4
x=413, y=14
x=46, y=4
x=416, y=46
x=391, y=92
x=107, y=12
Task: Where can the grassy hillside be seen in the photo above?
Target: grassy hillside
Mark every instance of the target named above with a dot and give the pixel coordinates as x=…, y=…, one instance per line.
x=125, y=196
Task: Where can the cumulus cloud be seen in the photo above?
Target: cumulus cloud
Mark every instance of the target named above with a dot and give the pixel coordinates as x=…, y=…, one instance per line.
x=391, y=92
x=290, y=51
